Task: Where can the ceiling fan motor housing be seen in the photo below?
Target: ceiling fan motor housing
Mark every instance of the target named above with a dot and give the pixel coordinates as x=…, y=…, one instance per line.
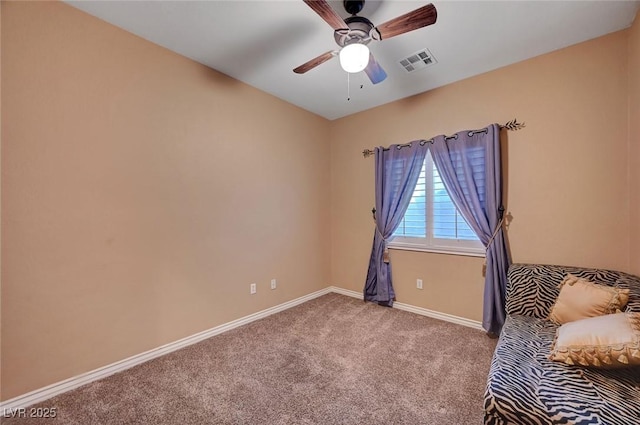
x=359, y=29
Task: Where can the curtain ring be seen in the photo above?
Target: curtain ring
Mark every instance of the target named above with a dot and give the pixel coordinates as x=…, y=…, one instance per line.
x=473, y=132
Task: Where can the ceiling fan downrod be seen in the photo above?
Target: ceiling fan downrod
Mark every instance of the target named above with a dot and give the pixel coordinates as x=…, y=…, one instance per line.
x=353, y=7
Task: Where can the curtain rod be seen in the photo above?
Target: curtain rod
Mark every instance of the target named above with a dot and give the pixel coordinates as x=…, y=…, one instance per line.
x=512, y=125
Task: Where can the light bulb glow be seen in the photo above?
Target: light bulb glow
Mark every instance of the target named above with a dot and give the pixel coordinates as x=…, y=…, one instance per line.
x=354, y=57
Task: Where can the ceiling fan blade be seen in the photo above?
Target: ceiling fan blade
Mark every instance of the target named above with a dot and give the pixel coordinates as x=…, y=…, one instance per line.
x=374, y=71
x=322, y=8
x=426, y=15
x=315, y=62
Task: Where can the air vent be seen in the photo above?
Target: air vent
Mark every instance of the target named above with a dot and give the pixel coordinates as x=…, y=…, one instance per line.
x=418, y=60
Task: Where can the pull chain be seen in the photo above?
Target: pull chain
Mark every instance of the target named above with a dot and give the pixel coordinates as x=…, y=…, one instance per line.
x=348, y=87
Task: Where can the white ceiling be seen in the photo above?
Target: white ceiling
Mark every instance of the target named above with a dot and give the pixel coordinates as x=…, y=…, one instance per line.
x=260, y=42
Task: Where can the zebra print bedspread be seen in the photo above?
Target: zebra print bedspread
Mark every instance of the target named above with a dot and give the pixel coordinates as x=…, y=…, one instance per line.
x=525, y=387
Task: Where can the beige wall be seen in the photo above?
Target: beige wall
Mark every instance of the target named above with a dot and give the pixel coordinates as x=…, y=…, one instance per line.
x=142, y=193
x=1, y=373
x=567, y=183
x=634, y=143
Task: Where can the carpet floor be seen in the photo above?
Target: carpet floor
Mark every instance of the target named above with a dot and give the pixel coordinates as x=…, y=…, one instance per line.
x=332, y=360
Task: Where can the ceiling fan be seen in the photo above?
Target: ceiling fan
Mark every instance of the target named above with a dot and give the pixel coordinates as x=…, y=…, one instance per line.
x=354, y=33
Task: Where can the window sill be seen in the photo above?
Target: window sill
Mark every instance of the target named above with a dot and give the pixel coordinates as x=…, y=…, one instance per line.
x=450, y=251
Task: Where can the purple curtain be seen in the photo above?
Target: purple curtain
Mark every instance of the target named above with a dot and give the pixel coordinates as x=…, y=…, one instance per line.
x=397, y=172
x=470, y=168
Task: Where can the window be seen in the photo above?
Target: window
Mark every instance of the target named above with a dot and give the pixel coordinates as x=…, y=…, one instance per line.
x=432, y=222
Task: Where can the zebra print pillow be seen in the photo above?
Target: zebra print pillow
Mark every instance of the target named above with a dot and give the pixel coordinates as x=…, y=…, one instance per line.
x=533, y=288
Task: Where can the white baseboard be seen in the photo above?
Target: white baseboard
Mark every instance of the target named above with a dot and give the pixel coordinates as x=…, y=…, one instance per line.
x=45, y=393
x=347, y=292
x=417, y=310
x=438, y=315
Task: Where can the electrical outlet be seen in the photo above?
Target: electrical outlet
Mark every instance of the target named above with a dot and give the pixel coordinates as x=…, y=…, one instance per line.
x=419, y=283
x=273, y=284
x=252, y=288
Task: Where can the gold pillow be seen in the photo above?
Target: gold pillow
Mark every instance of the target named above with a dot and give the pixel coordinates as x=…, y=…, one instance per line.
x=580, y=299
x=609, y=341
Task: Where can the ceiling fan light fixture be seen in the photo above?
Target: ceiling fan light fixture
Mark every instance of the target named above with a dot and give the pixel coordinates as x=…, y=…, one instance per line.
x=354, y=57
